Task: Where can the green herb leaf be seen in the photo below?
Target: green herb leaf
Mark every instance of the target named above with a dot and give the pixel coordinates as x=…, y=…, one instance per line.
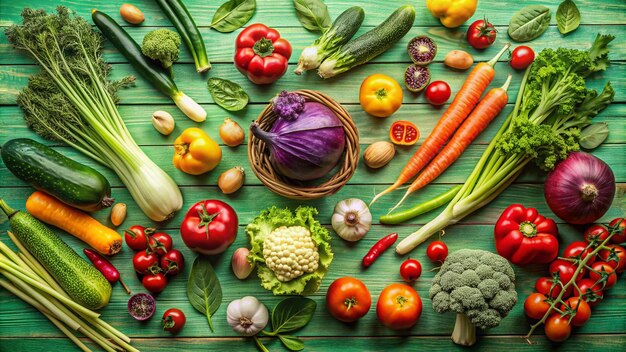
x=228, y=94
x=529, y=23
x=592, y=136
x=313, y=15
x=232, y=15
x=567, y=17
x=292, y=314
x=291, y=342
x=203, y=288
x=599, y=52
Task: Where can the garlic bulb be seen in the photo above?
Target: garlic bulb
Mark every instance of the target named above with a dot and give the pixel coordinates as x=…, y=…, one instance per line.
x=163, y=122
x=247, y=316
x=352, y=219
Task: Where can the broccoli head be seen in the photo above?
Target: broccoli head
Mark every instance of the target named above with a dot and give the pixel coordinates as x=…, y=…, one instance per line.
x=162, y=45
x=478, y=286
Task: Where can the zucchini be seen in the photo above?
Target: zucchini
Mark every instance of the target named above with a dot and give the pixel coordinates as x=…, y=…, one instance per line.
x=79, y=279
x=371, y=44
x=342, y=30
x=149, y=69
x=63, y=178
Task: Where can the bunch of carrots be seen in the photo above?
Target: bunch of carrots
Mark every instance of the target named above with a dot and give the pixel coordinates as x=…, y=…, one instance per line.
x=469, y=112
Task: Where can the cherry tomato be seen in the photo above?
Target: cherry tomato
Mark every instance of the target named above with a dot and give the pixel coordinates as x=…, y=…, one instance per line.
x=154, y=283
x=592, y=292
x=348, y=299
x=437, y=93
x=172, y=262
x=398, y=307
x=403, y=132
x=582, y=309
x=410, y=270
x=557, y=328
x=579, y=249
x=145, y=263
x=136, y=238
x=566, y=270
x=597, y=233
x=602, y=267
x=535, y=305
x=522, y=57
x=619, y=237
x=615, y=255
x=481, y=34
x=437, y=251
x=543, y=286
x=173, y=320
x=160, y=242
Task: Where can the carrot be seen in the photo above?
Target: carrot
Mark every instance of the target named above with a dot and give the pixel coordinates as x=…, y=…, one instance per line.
x=489, y=107
x=73, y=221
x=463, y=103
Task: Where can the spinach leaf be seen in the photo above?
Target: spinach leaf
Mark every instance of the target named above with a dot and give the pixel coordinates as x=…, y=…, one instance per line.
x=291, y=342
x=292, y=313
x=232, y=15
x=227, y=94
x=567, y=17
x=529, y=23
x=593, y=135
x=203, y=288
x=313, y=15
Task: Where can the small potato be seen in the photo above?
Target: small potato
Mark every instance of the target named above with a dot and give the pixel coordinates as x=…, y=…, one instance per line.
x=459, y=59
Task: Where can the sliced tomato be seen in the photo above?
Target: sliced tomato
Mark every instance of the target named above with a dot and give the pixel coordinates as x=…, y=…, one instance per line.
x=404, y=133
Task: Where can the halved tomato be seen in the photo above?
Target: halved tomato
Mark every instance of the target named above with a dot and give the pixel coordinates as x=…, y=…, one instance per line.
x=404, y=133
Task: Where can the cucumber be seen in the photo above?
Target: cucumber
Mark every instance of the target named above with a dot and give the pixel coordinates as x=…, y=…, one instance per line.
x=79, y=279
x=371, y=44
x=63, y=178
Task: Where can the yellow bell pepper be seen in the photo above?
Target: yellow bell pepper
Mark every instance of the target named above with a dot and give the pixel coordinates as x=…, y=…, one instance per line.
x=452, y=13
x=195, y=152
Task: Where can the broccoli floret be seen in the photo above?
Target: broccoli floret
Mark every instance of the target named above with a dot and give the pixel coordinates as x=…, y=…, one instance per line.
x=162, y=45
x=481, y=295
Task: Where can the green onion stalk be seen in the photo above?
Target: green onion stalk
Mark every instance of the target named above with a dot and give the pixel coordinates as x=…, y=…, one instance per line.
x=72, y=101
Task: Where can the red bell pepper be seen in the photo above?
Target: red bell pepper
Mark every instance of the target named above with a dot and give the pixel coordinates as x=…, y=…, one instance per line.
x=523, y=236
x=261, y=54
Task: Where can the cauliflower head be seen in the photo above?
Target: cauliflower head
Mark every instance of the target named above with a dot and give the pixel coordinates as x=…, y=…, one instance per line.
x=290, y=252
x=162, y=45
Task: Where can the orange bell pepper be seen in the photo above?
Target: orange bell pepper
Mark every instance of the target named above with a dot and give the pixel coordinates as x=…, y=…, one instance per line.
x=380, y=95
x=195, y=152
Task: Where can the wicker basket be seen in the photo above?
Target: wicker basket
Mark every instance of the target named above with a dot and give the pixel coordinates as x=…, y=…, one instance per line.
x=258, y=154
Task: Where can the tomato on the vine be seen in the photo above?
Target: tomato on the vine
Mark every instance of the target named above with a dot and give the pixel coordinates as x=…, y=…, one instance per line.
x=591, y=291
x=579, y=249
x=135, y=238
x=582, y=309
x=620, y=236
x=410, y=270
x=536, y=305
x=522, y=57
x=159, y=242
x=438, y=93
x=615, y=256
x=172, y=262
x=557, y=328
x=348, y=299
x=597, y=233
x=566, y=270
x=173, y=320
x=543, y=286
x=398, y=307
x=145, y=263
x=154, y=283
x=404, y=132
x=481, y=34
x=437, y=251
x=600, y=269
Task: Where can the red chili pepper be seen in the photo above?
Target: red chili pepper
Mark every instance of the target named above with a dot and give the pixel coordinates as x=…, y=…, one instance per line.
x=378, y=248
x=105, y=267
x=261, y=54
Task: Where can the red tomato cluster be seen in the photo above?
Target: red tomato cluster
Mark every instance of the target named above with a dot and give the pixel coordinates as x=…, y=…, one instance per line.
x=155, y=260
x=589, y=281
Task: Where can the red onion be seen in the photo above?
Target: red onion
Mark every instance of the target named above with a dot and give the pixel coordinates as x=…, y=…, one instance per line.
x=580, y=189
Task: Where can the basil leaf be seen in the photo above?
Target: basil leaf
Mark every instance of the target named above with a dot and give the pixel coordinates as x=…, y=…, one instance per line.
x=292, y=314
x=593, y=135
x=529, y=23
x=227, y=94
x=291, y=342
x=567, y=17
x=313, y=15
x=203, y=288
x=232, y=15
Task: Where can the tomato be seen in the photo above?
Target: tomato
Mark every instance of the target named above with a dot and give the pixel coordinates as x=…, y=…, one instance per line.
x=398, y=307
x=348, y=299
x=160, y=242
x=598, y=270
x=597, y=233
x=578, y=249
x=403, y=132
x=172, y=262
x=557, y=328
x=380, y=95
x=620, y=236
x=544, y=284
x=481, y=34
x=437, y=251
x=136, y=238
x=592, y=292
x=582, y=309
x=145, y=263
x=410, y=270
x=209, y=227
x=535, y=305
x=522, y=57
x=173, y=320
x=566, y=270
x=615, y=256
x=438, y=93
x=154, y=283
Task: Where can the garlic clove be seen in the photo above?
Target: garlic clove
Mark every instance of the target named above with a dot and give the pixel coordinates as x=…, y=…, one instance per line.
x=163, y=122
x=240, y=265
x=379, y=154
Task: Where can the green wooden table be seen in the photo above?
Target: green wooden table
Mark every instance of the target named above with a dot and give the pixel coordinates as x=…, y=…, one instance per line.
x=23, y=328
